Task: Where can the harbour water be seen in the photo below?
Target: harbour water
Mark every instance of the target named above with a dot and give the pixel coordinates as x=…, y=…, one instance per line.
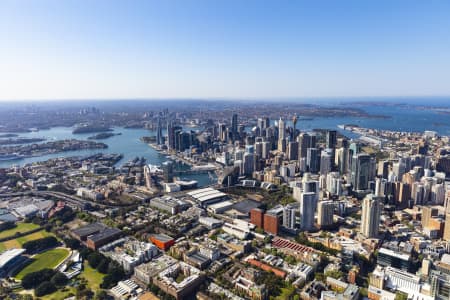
x=129, y=144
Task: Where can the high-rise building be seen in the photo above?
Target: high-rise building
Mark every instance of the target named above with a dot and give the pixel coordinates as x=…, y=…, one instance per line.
x=305, y=141
x=307, y=207
x=159, y=137
x=249, y=164
x=363, y=166
x=447, y=227
x=266, y=146
x=331, y=139
x=325, y=212
x=271, y=223
x=234, y=127
x=167, y=168
x=313, y=160
x=370, y=219
x=292, y=150
x=257, y=217
x=325, y=161
x=281, y=136
x=289, y=217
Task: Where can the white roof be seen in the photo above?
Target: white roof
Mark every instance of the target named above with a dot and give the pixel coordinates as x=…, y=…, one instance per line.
x=221, y=204
x=8, y=255
x=203, y=195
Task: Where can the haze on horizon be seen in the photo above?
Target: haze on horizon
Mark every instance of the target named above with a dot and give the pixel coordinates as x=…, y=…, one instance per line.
x=223, y=49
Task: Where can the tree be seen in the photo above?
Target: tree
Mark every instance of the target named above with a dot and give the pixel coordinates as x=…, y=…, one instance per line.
x=72, y=243
x=44, y=288
x=32, y=280
x=103, y=266
x=94, y=259
x=40, y=244
x=101, y=295
x=59, y=279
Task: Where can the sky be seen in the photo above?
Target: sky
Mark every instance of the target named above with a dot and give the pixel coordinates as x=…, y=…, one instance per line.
x=109, y=49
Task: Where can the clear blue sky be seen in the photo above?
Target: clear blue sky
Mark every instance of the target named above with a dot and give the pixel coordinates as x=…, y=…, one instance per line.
x=65, y=49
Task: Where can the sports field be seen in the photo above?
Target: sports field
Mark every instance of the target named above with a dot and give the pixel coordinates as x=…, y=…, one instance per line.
x=48, y=259
x=21, y=227
x=17, y=243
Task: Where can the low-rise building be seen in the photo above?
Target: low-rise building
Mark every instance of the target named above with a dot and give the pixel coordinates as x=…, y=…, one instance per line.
x=129, y=252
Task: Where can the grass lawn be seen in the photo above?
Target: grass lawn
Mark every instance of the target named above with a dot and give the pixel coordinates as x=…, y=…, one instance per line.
x=17, y=243
x=21, y=227
x=47, y=259
x=92, y=276
x=60, y=294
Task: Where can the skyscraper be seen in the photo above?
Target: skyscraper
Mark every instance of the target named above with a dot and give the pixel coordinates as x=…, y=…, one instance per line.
x=325, y=161
x=325, y=212
x=308, y=204
x=292, y=150
x=370, y=219
x=289, y=217
x=363, y=166
x=234, y=127
x=159, y=137
x=313, y=160
x=305, y=141
x=281, y=136
x=307, y=196
x=331, y=139
x=170, y=136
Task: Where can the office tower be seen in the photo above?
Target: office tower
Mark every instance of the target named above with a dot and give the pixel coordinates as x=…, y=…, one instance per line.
x=438, y=194
x=266, y=122
x=331, y=139
x=281, y=136
x=147, y=177
x=378, y=191
x=362, y=171
x=289, y=217
x=417, y=193
x=427, y=214
x=159, y=137
x=167, y=168
x=370, y=219
x=260, y=124
x=292, y=150
x=342, y=160
x=305, y=141
x=266, y=146
x=399, y=168
x=313, y=160
x=404, y=195
x=334, y=183
x=310, y=186
x=447, y=226
x=294, y=131
x=234, y=127
x=223, y=132
x=249, y=149
x=249, y=163
x=325, y=161
x=383, y=169
x=325, y=212
x=259, y=149
x=308, y=204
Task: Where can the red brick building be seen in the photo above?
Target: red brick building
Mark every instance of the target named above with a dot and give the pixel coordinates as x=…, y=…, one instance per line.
x=271, y=224
x=257, y=217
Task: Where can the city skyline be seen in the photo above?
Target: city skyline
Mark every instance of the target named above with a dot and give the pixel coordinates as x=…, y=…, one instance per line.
x=223, y=50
